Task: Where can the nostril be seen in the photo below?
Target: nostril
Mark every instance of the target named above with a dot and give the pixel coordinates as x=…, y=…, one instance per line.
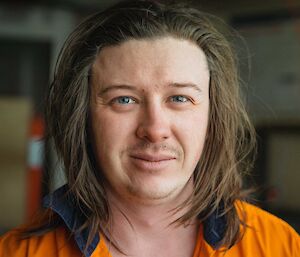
x=154, y=125
x=153, y=133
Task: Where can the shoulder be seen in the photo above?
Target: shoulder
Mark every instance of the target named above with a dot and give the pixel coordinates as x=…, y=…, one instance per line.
x=263, y=235
x=57, y=242
x=266, y=232
x=262, y=220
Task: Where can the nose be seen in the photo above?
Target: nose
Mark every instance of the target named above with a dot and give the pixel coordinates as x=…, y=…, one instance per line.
x=154, y=124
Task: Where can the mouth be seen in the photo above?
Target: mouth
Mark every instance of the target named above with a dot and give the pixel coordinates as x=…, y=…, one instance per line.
x=153, y=158
x=152, y=162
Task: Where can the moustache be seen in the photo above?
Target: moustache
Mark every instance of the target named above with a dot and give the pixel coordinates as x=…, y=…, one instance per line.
x=154, y=148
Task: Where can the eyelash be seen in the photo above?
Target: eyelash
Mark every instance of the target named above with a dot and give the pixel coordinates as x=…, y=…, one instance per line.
x=115, y=100
x=186, y=99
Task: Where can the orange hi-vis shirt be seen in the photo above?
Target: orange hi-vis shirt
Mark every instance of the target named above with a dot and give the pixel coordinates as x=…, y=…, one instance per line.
x=264, y=236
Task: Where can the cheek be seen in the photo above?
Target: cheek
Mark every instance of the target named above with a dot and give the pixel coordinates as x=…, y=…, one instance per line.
x=110, y=132
x=195, y=124
x=194, y=129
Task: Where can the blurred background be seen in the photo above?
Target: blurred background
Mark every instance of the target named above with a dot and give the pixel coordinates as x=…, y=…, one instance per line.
x=31, y=35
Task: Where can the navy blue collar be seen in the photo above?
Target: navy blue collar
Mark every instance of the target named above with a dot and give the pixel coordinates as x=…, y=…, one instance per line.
x=61, y=202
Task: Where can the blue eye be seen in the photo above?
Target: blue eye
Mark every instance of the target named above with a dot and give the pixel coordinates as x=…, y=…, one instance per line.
x=124, y=100
x=179, y=99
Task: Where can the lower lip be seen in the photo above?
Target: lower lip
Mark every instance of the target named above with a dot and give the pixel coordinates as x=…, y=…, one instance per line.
x=151, y=165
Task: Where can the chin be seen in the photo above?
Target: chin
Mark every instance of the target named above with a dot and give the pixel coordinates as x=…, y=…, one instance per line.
x=150, y=193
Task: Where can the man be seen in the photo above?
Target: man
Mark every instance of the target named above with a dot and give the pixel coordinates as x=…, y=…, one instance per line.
x=145, y=113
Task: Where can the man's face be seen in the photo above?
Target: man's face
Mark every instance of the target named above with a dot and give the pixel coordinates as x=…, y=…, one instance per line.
x=149, y=115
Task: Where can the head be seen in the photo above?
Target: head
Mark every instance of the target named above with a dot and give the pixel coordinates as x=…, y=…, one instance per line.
x=77, y=115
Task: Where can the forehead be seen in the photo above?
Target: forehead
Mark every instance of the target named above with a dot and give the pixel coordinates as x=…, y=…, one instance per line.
x=151, y=62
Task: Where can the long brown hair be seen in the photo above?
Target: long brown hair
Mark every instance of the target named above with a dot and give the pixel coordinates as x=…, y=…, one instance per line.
x=230, y=137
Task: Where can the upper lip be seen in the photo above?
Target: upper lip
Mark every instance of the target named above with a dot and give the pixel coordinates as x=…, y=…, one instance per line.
x=153, y=157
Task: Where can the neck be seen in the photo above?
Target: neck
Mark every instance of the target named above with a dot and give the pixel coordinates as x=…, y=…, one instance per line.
x=137, y=226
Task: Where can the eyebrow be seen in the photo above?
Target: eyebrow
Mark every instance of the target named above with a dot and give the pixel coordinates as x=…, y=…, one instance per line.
x=186, y=85
x=116, y=87
x=129, y=87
